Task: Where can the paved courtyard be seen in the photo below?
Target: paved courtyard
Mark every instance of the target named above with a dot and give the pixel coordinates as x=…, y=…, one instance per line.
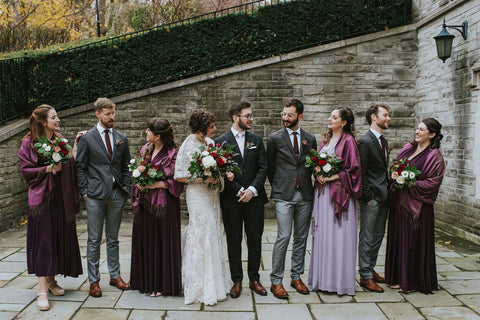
x=458, y=272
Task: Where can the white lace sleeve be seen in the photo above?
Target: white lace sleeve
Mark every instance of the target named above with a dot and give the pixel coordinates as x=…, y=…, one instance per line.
x=183, y=160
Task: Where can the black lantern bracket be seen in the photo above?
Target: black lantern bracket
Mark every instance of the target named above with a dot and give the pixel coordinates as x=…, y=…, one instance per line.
x=444, y=39
x=463, y=26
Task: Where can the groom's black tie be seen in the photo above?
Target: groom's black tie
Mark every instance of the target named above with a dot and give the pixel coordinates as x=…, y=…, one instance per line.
x=109, y=145
x=297, y=152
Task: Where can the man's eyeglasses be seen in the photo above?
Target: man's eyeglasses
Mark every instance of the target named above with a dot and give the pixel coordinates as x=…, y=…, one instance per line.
x=248, y=116
x=288, y=115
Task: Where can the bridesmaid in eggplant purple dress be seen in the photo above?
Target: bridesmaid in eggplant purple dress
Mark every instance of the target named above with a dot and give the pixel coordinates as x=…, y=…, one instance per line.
x=410, y=259
x=334, y=217
x=156, y=241
x=52, y=244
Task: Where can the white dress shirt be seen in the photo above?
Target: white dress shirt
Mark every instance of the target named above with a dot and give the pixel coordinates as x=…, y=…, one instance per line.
x=240, y=137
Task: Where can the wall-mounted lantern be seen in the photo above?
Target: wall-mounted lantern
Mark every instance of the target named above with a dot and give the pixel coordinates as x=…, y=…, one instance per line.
x=444, y=39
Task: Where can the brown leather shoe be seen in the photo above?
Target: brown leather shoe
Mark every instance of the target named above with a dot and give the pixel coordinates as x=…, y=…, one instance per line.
x=236, y=290
x=278, y=291
x=370, y=285
x=258, y=288
x=95, y=290
x=299, y=286
x=119, y=283
x=377, y=278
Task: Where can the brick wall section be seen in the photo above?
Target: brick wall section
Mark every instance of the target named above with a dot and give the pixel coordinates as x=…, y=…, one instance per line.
x=443, y=91
x=353, y=73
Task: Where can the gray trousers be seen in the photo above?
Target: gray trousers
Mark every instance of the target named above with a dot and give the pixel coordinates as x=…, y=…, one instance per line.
x=373, y=218
x=100, y=210
x=296, y=212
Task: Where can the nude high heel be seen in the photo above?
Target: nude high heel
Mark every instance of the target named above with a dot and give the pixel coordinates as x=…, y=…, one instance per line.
x=53, y=287
x=43, y=305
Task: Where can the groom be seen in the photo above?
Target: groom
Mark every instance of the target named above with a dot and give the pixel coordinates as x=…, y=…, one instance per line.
x=373, y=149
x=292, y=190
x=104, y=182
x=243, y=199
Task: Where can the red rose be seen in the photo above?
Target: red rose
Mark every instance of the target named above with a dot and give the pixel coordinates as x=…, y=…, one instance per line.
x=227, y=155
x=322, y=162
x=210, y=145
x=65, y=151
x=155, y=167
x=314, y=158
x=214, y=154
x=143, y=163
x=220, y=161
x=218, y=145
x=402, y=166
x=62, y=143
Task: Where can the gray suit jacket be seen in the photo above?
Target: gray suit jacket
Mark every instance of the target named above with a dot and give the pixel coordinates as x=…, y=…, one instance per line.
x=95, y=170
x=374, y=168
x=283, y=167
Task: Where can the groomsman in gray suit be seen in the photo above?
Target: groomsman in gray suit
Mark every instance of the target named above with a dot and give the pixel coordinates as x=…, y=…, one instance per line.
x=292, y=190
x=104, y=182
x=374, y=157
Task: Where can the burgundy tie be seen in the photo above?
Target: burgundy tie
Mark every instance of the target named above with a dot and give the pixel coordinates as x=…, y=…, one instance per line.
x=382, y=140
x=109, y=145
x=295, y=149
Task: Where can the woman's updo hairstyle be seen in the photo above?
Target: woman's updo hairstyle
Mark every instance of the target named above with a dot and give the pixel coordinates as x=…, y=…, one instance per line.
x=200, y=120
x=434, y=126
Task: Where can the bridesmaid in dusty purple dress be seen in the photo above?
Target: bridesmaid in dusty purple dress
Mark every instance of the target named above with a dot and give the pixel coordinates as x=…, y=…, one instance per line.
x=52, y=244
x=334, y=217
x=410, y=259
x=156, y=243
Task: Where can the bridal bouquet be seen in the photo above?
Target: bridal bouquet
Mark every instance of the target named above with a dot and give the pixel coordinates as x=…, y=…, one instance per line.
x=143, y=173
x=212, y=161
x=403, y=175
x=322, y=163
x=56, y=151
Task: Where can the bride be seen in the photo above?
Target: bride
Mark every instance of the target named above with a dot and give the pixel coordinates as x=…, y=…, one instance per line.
x=204, y=268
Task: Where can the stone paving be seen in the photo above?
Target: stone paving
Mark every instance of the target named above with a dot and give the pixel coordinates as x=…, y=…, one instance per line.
x=458, y=273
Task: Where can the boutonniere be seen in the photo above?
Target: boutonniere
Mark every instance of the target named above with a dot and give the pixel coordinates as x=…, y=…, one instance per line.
x=250, y=145
x=119, y=143
x=305, y=143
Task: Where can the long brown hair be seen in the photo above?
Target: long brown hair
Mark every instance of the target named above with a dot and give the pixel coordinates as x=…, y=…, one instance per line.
x=38, y=119
x=347, y=115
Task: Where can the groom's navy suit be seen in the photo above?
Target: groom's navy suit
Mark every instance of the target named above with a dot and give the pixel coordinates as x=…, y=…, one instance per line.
x=253, y=165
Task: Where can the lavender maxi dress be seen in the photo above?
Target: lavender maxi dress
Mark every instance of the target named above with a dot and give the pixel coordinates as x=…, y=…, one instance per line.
x=334, y=224
x=52, y=243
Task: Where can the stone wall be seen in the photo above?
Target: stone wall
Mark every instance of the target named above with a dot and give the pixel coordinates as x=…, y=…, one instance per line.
x=374, y=68
x=448, y=92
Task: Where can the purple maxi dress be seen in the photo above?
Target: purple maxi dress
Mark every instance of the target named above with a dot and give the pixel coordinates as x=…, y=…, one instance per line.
x=156, y=237
x=334, y=236
x=410, y=258
x=52, y=243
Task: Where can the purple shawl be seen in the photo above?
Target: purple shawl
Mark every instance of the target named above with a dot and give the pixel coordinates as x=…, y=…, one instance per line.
x=350, y=182
x=428, y=182
x=41, y=185
x=155, y=200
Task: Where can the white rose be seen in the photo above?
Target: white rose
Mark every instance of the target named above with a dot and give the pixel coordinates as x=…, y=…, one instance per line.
x=132, y=161
x=56, y=157
x=136, y=173
x=65, y=140
x=48, y=148
x=152, y=173
x=401, y=180
x=44, y=145
x=327, y=167
x=323, y=155
x=405, y=174
x=412, y=175
x=205, y=153
x=208, y=161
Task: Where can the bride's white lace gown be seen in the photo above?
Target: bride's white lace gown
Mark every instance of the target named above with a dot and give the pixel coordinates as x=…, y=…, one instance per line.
x=204, y=268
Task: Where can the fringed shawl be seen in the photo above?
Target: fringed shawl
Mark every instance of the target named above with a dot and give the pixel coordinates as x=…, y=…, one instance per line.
x=41, y=185
x=350, y=182
x=428, y=182
x=155, y=200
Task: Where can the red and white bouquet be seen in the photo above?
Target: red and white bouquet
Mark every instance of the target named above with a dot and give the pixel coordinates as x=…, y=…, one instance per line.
x=322, y=163
x=212, y=161
x=144, y=173
x=56, y=151
x=403, y=175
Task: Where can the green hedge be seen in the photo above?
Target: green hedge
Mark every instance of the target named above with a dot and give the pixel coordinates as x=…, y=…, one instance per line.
x=169, y=53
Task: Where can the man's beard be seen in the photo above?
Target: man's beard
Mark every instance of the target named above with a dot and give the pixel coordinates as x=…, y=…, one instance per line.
x=243, y=126
x=108, y=124
x=290, y=124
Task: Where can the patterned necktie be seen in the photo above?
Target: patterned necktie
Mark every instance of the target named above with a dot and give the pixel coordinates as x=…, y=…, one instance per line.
x=382, y=140
x=107, y=142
